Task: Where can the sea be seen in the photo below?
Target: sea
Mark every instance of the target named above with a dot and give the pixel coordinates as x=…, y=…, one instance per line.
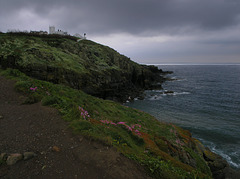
x=204, y=99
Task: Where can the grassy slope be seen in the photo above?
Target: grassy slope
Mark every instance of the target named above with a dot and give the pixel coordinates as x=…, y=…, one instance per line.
x=149, y=142
x=163, y=148
x=84, y=56
x=96, y=69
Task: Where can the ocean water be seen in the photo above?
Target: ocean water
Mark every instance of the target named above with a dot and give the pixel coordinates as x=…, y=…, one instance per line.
x=206, y=101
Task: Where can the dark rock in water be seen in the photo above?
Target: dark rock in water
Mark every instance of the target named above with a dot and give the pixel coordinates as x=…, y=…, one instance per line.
x=168, y=92
x=1, y=117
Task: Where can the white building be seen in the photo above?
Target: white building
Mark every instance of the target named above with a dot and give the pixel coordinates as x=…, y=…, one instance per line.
x=81, y=37
x=59, y=32
x=51, y=29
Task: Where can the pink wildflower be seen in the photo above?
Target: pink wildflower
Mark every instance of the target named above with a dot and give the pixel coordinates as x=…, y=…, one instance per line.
x=129, y=128
x=138, y=125
x=179, y=142
x=138, y=133
x=113, y=123
x=33, y=89
x=123, y=123
x=83, y=113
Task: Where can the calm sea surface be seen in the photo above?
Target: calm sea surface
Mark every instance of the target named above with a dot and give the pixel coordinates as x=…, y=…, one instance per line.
x=206, y=101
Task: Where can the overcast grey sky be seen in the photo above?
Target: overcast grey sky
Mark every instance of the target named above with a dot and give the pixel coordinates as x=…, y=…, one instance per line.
x=147, y=31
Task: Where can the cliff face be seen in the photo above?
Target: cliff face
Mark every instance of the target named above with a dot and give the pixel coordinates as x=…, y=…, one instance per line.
x=96, y=69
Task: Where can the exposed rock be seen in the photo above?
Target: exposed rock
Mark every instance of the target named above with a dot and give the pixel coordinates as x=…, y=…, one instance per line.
x=14, y=158
x=3, y=157
x=168, y=92
x=230, y=173
x=219, y=167
x=55, y=149
x=28, y=155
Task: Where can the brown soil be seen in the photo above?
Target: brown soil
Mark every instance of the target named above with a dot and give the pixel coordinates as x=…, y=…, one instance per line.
x=60, y=153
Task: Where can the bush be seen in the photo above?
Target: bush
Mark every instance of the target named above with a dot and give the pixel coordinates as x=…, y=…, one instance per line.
x=51, y=100
x=81, y=125
x=35, y=98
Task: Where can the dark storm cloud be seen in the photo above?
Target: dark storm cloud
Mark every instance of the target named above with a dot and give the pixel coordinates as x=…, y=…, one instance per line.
x=161, y=30
x=133, y=16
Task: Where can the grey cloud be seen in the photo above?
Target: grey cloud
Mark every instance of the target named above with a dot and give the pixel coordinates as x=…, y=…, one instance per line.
x=148, y=17
x=208, y=23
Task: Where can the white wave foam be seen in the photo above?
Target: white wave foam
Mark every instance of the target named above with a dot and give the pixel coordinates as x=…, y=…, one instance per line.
x=226, y=157
x=181, y=93
x=174, y=78
x=175, y=93
x=162, y=93
x=181, y=79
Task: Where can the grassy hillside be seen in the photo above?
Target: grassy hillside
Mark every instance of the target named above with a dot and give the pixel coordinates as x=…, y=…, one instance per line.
x=96, y=69
x=165, y=150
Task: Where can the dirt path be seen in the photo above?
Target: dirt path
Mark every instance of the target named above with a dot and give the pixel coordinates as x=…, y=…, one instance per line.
x=38, y=129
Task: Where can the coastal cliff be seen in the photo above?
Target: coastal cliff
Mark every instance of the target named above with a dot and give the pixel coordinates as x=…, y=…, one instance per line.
x=59, y=71
x=93, y=68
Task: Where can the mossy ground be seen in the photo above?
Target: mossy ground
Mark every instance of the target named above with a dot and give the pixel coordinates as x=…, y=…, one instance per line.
x=136, y=134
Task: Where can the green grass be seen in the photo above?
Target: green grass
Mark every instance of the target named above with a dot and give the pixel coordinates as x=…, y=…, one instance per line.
x=81, y=57
x=148, y=143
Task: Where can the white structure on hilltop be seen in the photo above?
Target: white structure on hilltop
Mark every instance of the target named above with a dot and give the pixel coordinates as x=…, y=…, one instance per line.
x=59, y=32
x=81, y=37
x=51, y=29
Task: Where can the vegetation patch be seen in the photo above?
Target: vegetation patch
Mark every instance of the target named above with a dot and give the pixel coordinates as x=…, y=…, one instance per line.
x=136, y=134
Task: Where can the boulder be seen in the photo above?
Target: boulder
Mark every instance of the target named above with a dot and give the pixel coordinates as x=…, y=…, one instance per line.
x=55, y=149
x=14, y=158
x=3, y=157
x=28, y=155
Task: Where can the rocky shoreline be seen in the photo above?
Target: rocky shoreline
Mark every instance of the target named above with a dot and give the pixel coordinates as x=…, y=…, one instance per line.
x=219, y=167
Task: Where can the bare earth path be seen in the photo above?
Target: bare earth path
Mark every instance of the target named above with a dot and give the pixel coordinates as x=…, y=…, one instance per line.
x=40, y=129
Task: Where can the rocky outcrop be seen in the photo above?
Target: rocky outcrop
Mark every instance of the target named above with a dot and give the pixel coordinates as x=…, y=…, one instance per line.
x=193, y=153
x=114, y=84
x=219, y=167
x=96, y=69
